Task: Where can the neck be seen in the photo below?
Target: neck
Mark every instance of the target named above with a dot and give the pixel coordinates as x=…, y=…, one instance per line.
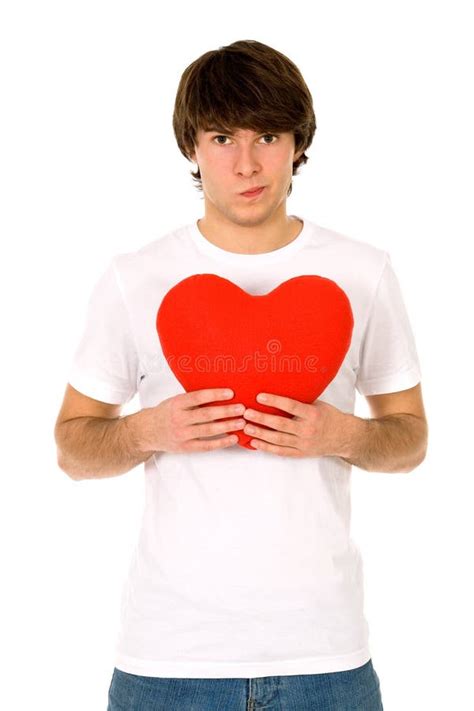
x=250, y=239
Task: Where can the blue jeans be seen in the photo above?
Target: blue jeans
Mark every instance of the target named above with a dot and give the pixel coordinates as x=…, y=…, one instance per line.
x=352, y=690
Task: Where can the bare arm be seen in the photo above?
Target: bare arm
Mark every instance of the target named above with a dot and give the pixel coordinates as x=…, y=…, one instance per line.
x=393, y=443
x=95, y=447
x=93, y=441
x=395, y=440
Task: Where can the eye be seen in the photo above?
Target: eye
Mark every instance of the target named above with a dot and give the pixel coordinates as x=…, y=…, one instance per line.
x=265, y=135
x=272, y=135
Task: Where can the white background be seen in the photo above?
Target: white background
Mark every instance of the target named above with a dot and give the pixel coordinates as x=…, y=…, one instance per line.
x=90, y=168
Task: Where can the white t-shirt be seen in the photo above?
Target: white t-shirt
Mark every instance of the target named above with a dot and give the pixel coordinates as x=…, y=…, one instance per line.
x=244, y=566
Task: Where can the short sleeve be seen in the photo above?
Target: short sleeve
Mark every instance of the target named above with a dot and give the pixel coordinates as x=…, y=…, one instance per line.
x=388, y=357
x=105, y=363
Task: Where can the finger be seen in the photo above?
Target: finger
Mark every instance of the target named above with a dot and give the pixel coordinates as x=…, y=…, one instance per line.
x=271, y=436
x=194, y=398
x=277, y=422
x=276, y=449
x=215, y=412
x=212, y=428
x=287, y=404
x=206, y=445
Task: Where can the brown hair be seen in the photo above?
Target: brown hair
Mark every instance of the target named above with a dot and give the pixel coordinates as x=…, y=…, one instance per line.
x=246, y=85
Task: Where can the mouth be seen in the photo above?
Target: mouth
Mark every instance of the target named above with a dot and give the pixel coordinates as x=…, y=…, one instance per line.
x=253, y=193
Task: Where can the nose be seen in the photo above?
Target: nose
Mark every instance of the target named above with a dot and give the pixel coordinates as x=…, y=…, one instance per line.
x=247, y=161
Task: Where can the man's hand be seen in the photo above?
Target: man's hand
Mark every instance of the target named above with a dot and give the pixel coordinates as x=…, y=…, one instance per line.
x=392, y=443
x=182, y=422
x=316, y=430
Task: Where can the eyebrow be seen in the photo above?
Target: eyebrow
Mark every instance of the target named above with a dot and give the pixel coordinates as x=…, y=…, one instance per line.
x=211, y=129
x=219, y=128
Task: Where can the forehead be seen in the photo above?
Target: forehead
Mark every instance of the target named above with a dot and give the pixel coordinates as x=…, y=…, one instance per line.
x=236, y=131
x=231, y=132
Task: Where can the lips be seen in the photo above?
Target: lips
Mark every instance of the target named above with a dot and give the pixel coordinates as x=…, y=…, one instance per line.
x=254, y=191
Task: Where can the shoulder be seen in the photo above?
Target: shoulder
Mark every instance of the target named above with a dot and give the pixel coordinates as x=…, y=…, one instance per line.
x=346, y=245
x=167, y=247
x=360, y=256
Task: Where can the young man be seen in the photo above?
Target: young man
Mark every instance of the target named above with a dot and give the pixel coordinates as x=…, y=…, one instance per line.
x=245, y=590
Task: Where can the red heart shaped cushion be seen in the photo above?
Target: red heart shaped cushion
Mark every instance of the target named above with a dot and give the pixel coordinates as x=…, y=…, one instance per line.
x=289, y=342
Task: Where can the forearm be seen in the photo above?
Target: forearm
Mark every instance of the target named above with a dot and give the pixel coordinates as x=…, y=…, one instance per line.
x=394, y=443
x=95, y=447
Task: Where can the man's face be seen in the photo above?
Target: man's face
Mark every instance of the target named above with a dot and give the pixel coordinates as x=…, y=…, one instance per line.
x=230, y=164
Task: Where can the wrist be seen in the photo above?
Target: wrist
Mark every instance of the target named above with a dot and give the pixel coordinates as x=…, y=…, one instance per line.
x=136, y=431
x=352, y=433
